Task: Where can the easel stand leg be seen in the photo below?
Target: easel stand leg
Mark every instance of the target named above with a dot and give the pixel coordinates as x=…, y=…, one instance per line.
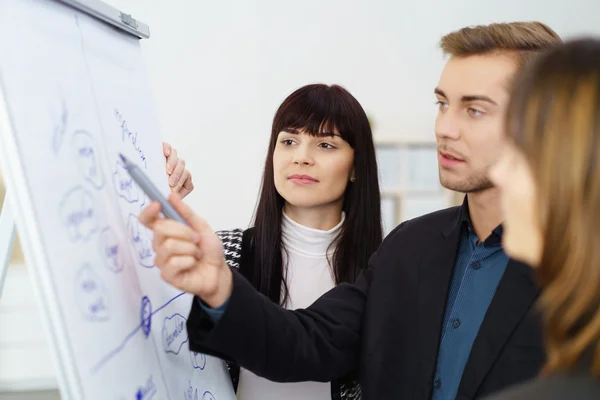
x=7, y=239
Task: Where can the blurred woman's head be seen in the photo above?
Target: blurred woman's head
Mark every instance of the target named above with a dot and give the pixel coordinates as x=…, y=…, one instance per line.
x=549, y=176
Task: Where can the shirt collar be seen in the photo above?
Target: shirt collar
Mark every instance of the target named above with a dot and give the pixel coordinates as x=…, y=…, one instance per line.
x=464, y=222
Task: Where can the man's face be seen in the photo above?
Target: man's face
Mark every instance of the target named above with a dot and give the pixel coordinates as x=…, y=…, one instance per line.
x=473, y=95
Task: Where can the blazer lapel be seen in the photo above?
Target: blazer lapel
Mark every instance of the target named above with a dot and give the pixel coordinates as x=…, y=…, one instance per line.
x=514, y=297
x=435, y=274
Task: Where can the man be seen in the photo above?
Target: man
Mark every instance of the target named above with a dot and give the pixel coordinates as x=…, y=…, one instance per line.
x=441, y=312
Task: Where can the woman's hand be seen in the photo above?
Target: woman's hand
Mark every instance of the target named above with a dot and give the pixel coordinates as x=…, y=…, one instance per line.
x=180, y=179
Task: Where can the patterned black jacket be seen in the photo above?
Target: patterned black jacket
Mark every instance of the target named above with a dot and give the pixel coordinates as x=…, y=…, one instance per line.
x=238, y=249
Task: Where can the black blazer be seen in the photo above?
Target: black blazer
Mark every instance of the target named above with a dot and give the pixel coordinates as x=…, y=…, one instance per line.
x=388, y=323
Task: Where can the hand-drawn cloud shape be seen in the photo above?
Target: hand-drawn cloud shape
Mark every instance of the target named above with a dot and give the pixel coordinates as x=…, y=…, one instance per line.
x=174, y=333
x=125, y=185
x=90, y=294
x=142, y=242
x=147, y=391
x=78, y=214
x=191, y=393
x=208, y=396
x=198, y=360
x=87, y=158
x=111, y=250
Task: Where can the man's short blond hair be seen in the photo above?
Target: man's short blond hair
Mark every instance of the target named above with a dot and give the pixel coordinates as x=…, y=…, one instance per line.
x=523, y=39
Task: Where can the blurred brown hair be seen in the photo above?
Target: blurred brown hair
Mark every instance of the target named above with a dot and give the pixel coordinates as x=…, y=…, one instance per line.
x=521, y=38
x=554, y=119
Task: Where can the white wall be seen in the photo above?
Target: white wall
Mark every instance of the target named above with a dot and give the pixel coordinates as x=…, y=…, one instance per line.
x=219, y=69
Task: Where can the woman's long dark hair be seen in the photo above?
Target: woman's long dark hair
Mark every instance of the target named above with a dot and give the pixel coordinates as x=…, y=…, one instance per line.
x=313, y=109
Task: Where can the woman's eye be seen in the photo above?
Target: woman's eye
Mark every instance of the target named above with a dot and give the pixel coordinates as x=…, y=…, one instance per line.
x=326, y=146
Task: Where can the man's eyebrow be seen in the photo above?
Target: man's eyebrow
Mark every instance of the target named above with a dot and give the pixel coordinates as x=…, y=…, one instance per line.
x=467, y=98
x=475, y=97
x=440, y=92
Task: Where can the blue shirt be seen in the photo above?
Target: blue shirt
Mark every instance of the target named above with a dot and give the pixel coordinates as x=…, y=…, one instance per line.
x=477, y=273
x=214, y=314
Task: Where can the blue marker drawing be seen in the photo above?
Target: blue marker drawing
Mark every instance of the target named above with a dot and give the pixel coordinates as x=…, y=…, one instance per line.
x=191, y=393
x=128, y=135
x=168, y=302
x=60, y=129
x=124, y=184
x=198, y=360
x=147, y=391
x=145, y=202
x=78, y=215
x=142, y=242
x=91, y=294
x=88, y=161
x=208, y=396
x=146, y=314
x=110, y=250
x=174, y=334
x=104, y=360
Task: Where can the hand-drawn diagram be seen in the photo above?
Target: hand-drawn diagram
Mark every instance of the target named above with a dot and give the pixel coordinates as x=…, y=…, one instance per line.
x=125, y=185
x=128, y=135
x=60, y=128
x=146, y=392
x=198, y=360
x=140, y=237
x=111, y=251
x=78, y=214
x=191, y=393
x=88, y=161
x=174, y=333
x=145, y=201
x=146, y=315
x=91, y=294
x=208, y=396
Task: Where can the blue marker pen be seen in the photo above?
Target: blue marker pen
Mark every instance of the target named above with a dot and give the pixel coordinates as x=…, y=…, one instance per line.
x=152, y=191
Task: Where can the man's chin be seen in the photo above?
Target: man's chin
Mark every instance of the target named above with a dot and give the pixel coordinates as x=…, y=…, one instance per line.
x=466, y=186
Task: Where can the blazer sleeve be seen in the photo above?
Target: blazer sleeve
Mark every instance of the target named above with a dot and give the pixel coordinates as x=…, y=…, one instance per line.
x=320, y=343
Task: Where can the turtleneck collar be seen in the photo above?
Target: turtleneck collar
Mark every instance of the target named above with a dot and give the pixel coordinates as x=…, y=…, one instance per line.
x=307, y=241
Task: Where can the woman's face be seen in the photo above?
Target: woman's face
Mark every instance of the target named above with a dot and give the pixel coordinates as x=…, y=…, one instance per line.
x=312, y=172
x=522, y=234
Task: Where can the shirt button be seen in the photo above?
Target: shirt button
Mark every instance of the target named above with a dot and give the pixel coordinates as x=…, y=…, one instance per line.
x=476, y=265
x=437, y=383
x=456, y=323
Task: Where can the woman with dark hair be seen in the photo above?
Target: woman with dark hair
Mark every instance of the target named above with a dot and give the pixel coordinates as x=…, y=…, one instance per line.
x=549, y=176
x=317, y=220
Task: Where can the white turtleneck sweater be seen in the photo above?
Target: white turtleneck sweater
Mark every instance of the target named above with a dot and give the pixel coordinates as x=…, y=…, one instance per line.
x=309, y=275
